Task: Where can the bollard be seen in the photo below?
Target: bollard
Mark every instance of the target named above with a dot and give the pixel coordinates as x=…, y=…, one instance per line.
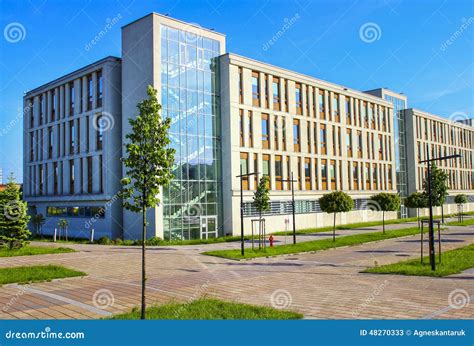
x=92, y=236
x=54, y=237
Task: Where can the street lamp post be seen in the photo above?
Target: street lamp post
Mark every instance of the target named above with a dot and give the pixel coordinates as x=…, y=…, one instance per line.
x=241, y=176
x=428, y=161
x=292, y=203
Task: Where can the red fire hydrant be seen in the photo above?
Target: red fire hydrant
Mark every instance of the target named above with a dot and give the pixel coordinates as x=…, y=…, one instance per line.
x=271, y=240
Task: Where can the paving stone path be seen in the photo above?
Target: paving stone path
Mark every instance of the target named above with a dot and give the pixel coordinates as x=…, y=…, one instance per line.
x=326, y=284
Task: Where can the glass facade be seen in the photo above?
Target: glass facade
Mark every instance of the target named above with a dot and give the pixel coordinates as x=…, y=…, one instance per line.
x=400, y=148
x=190, y=97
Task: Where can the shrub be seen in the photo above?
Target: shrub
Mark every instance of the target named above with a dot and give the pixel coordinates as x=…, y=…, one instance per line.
x=153, y=241
x=118, y=241
x=104, y=240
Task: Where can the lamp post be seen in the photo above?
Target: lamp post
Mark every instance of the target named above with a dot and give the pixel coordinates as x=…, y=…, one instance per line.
x=292, y=203
x=430, y=203
x=241, y=176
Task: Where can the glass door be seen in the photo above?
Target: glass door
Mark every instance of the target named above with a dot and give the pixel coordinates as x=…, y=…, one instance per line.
x=208, y=227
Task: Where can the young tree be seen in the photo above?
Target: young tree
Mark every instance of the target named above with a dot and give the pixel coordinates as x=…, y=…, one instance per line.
x=63, y=224
x=460, y=200
x=13, y=217
x=38, y=221
x=336, y=202
x=439, y=187
x=417, y=200
x=261, y=201
x=386, y=202
x=148, y=162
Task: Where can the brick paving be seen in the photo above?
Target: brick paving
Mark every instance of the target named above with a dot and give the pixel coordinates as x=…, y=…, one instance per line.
x=327, y=284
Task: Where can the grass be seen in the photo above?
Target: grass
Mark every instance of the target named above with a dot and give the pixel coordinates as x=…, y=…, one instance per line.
x=210, y=309
x=452, y=262
x=315, y=245
x=466, y=222
x=28, y=274
x=33, y=250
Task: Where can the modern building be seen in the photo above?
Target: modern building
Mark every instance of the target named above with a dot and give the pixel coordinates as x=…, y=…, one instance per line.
x=229, y=113
x=467, y=121
x=72, y=148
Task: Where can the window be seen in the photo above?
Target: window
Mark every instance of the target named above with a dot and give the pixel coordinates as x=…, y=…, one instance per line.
x=53, y=106
x=355, y=176
x=241, y=126
x=390, y=186
x=100, y=125
x=298, y=174
x=89, y=174
x=348, y=111
x=255, y=169
x=241, y=94
x=267, y=90
x=316, y=174
x=100, y=88
x=359, y=144
x=276, y=130
x=71, y=177
x=334, y=141
x=283, y=132
x=298, y=99
x=296, y=135
x=372, y=116
x=364, y=113
x=250, y=128
x=308, y=136
x=89, y=92
x=72, y=97
x=324, y=174
x=278, y=172
x=244, y=157
x=51, y=142
x=367, y=176
x=41, y=110
x=374, y=179
x=276, y=94
x=266, y=168
x=41, y=179
x=289, y=174
x=332, y=174
x=32, y=116
x=380, y=147
x=335, y=107
x=256, y=89
x=307, y=173
x=321, y=104
x=349, y=142
x=55, y=177
x=32, y=146
x=72, y=137
x=265, y=132
x=323, y=139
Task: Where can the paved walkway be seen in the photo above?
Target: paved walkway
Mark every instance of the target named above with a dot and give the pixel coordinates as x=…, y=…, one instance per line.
x=326, y=284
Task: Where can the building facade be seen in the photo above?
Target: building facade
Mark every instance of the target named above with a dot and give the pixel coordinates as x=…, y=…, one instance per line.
x=229, y=113
x=72, y=149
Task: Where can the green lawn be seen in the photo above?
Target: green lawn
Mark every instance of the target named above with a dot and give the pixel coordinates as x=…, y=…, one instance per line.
x=33, y=250
x=210, y=309
x=452, y=262
x=466, y=222
x=35, y=273
x=315, y=245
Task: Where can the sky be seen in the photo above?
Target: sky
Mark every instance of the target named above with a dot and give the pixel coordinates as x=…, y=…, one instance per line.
x=424, y=49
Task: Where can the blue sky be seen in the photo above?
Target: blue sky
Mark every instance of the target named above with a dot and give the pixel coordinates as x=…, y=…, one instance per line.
x=409, y=52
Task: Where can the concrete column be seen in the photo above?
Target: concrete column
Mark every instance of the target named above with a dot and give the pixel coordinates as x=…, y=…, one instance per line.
x=271, y=128
x=84, y=174
x=304, y=109
x=65, y=177
x=313, y=177
x=261, y=78
x=49, y=178
x=245, y=126
x=37, y=179
x=96, y=174
x=304, y=136
x=291, y=97
x=327, y=107
x=257, y=130
x=67, y=101
x=83, y=134
x=247, y=86
x=289, y=134
x=77, y=175
x=78, y=96
x=94, y=90
x=270, y=91
x=85, y=95
x=61, y=103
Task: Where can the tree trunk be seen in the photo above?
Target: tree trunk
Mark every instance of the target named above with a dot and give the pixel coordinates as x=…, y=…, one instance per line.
x=442, y=214
x=334, y=228
x=143, y=265
x=383, y=221
x=418, y=216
